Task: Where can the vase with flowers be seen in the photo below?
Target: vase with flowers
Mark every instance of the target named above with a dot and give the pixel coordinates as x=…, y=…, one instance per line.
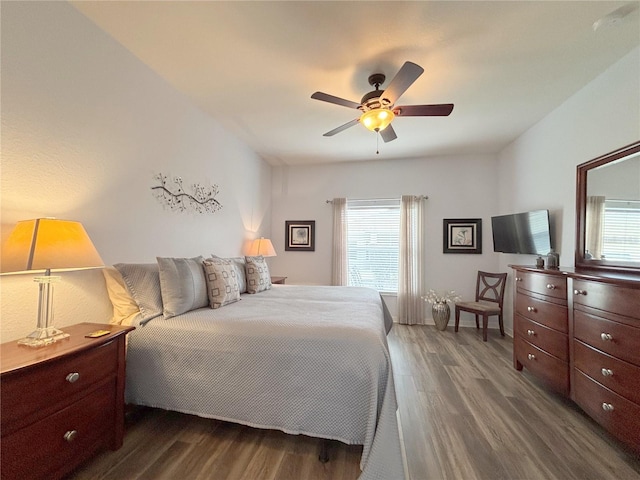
x=440, y=309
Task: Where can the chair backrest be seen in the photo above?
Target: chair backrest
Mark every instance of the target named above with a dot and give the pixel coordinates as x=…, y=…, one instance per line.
x=490, y=287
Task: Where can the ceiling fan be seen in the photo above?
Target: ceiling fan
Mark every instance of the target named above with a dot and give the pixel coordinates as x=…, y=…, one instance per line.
x=378, y=106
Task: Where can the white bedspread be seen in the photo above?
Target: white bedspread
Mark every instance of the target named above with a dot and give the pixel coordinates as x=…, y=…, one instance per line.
x=302, y=359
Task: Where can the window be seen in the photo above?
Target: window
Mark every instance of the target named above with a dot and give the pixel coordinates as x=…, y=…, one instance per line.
x=621, y=239
x=373, y=231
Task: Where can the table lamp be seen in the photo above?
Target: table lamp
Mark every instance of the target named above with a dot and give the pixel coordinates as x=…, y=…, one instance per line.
x=46, y=244
x=262, y=246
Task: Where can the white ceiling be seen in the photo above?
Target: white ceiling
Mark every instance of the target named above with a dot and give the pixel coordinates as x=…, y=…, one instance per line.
x=254, y=65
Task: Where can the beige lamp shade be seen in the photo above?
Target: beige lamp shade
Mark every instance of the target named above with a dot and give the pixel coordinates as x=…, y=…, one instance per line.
x=48, y=243
x=262, y=246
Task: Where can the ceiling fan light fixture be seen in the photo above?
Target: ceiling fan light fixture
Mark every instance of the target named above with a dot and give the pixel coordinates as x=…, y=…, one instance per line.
x=377, y=119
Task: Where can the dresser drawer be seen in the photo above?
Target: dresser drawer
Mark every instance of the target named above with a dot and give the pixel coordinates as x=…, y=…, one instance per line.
x=618, y=416
x=40, y=392
x=616, y=339
x=41, y=450
x=547, y=339
x=548, y=368
x=550, y=285
x=617, y=375
x=611, y=298
x=550, y=314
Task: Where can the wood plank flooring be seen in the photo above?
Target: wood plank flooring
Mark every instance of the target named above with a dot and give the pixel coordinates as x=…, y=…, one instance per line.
x=465, y=414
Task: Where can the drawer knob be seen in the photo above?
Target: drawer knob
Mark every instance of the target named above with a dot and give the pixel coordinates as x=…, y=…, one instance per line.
x=607, y=372
x=579, y=292
x=606, y=337
x=531, y=333
x=551, y=286
x=607, y=407
x=518, y=279
x=73, y=377
x=531, y=309
x=71, y=435
x=531, y=356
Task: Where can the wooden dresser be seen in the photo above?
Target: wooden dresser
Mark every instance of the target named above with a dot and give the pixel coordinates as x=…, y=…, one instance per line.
x=61, y=403
x=601, y=332
x=541, y=327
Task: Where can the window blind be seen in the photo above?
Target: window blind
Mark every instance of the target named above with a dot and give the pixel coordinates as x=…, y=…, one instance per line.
x=621, y=239
x=373, y=250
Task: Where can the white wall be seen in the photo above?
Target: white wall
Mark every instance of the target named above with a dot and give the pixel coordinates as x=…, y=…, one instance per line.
x=457, y=187
x=85, y=127
x=538, y=170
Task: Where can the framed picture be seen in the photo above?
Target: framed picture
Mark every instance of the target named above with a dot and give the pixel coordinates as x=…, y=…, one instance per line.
x=462, y=235
x=300, y=235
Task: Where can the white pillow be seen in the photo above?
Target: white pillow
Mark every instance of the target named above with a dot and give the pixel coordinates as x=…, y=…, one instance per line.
x=239, y=264
x=182, y=284
x=222, y=282
x=125, y=307
x=258, y=277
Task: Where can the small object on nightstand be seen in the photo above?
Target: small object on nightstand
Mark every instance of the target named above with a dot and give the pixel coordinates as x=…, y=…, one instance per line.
x=98, y=333
x=278, y=280
x=539, y=262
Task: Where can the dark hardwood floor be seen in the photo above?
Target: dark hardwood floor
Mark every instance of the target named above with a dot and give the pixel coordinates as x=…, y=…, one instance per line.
x=465, y=413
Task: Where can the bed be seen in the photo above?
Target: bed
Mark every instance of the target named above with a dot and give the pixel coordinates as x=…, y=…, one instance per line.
x=309, y=360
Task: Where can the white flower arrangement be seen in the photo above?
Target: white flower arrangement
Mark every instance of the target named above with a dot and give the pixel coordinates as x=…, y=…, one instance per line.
x=436, y=297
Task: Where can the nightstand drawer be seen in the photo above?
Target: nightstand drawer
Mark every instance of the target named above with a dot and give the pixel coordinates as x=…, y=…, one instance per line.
x=41, y=450
x=51, y=386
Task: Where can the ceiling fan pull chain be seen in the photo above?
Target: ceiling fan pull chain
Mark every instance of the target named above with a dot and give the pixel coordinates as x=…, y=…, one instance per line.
x=377, y=140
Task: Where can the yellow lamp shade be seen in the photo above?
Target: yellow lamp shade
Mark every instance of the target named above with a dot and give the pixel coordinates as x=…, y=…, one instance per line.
x=262, y=246
x=48, y=243
x=377, y=119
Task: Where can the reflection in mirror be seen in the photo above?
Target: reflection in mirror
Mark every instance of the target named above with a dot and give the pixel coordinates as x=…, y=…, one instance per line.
x=612, y=216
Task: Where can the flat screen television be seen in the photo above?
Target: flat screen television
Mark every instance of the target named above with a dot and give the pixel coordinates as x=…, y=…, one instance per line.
x=526, y=232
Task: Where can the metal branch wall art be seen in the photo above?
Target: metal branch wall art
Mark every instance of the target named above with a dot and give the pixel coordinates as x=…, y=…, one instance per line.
x=171, y=193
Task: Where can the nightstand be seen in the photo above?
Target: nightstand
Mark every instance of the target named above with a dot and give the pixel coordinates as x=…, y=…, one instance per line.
x=61, y=403
x=278, y=280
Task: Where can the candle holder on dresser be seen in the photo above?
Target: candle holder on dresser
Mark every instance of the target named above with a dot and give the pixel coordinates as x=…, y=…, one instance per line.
x=440, y=310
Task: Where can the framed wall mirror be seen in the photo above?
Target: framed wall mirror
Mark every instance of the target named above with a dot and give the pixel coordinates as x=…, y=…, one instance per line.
x=608, y=211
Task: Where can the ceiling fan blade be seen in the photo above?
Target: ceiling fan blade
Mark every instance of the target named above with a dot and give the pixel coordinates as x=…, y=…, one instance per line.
x=325, y=97
x=440, y=110
x=388, y=134
x=408, y=73
x=342, y=127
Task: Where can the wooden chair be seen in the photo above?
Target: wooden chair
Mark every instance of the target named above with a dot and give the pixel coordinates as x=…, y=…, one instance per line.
x=489, y=300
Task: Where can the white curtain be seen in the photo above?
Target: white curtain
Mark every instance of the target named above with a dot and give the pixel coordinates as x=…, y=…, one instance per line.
x=410, y=273
x=594, y=225
x=339, y=260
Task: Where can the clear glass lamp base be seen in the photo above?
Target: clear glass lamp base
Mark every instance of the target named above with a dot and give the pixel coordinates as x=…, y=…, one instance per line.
x=43, y=336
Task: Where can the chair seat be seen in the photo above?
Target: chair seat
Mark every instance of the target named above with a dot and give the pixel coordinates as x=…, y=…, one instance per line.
x=479, y=306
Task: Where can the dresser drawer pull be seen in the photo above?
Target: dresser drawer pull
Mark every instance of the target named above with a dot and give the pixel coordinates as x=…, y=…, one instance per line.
x=607, y=372
x=71, y=435
x=606, y=337
x=531, y=309
x=607, y=407
x=580, y=292
x=518, y=279
x=73, y=377
x=531, y=356
x=531, y=333
x=551, y=286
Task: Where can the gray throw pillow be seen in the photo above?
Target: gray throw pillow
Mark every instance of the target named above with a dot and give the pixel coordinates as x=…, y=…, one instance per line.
x=182, y=284
x=239, y=264
x=258, y=277
x=222, y=282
